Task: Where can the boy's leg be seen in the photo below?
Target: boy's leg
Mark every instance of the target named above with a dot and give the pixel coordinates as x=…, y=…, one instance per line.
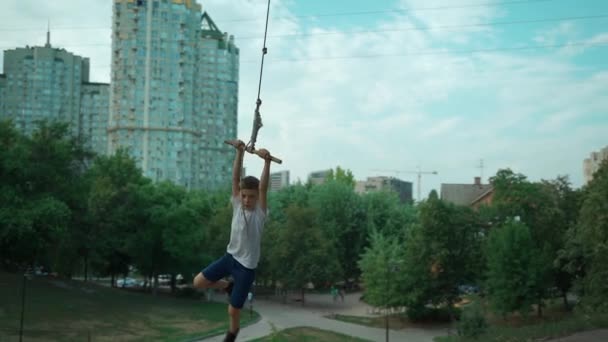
x=243, y=279
x=211, y=276
x=201, y=282
x=235, y=319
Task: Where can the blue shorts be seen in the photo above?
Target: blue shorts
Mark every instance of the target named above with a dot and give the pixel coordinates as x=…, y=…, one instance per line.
x=243, y=277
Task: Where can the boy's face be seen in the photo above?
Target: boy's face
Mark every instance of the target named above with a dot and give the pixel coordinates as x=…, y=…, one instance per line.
x=249, y=198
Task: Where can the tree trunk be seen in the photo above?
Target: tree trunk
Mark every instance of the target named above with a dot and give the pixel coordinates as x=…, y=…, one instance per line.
x=112, y=280
x=451, y=317
x=155, y=289
x=86, y=268
x=302, y=296
x=565, y=298
x=173, y=282
x=539, y=310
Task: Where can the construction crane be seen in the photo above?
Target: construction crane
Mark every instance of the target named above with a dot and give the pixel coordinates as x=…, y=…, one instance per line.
x=419, y=173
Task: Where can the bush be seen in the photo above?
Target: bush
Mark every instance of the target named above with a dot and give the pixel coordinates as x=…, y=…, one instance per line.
x=426, y=314
x=472, y=323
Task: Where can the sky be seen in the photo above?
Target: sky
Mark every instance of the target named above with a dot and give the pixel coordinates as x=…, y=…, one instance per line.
x=393, y=85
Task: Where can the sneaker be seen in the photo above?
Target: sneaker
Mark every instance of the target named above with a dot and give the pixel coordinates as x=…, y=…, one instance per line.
x=228, y=288
x=230, y=336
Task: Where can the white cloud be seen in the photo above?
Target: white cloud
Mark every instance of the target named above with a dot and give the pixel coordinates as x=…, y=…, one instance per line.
x=438, y=15
x=570, y=35
x=566, y=30
x=442, y=127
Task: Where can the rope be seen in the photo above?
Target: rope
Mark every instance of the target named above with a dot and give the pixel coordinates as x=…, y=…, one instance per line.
x=257, y=118
x=264, y=50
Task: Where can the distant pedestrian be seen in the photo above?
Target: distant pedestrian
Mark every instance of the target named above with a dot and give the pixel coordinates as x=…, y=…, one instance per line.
x=334, y=293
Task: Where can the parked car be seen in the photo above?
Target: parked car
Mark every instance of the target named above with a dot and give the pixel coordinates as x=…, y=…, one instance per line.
x=126, y=282
x=468, y=289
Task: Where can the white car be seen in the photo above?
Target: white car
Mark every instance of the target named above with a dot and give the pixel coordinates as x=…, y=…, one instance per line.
x=126, y=282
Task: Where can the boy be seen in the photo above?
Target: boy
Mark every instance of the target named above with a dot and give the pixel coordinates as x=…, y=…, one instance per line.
x=249, y=210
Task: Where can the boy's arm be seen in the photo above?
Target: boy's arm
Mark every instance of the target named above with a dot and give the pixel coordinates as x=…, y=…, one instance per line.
x=237, y=167
x=264, y=180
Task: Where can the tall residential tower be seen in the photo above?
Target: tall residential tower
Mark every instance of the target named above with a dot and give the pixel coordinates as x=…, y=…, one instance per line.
x=173, y=91
x=47, y=83
x=43, y=82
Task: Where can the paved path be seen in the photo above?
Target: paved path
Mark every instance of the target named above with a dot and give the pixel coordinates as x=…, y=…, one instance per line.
x=587, y=336
x=283, y=316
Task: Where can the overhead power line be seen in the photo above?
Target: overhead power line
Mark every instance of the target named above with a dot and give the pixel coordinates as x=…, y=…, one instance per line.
x=435, y=28
x=320, y=15
x=403, y=29
x=445, y=52
x=395, y=10
x=423, y=53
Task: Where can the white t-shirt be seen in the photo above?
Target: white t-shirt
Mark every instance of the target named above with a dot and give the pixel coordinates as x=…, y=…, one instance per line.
x=246, y=234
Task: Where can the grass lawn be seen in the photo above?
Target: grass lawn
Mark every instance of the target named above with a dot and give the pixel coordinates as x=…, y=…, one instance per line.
x=555, y=322
x=306, y=334
x=539, y=330
x=64, y=310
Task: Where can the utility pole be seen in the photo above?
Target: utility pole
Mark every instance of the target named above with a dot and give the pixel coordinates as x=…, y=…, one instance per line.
x=480, y=167
x=419, y=173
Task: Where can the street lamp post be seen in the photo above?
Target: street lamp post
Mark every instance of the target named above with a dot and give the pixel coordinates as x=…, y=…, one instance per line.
x=391, y=266
x=388, y=273
x=22, y=305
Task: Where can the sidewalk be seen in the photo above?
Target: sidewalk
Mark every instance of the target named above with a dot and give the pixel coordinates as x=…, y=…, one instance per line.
x=600, y=335
x=284, y=316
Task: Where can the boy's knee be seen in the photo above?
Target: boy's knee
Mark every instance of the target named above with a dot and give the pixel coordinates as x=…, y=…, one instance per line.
x=200, y=282
x=233, y=312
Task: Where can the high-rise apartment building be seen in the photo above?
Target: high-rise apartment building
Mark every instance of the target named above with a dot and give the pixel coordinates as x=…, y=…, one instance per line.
x=173, y=91
x=43, y=82
x=47, y=83
x=93, y=118
x=592, y=164
x=2, y=93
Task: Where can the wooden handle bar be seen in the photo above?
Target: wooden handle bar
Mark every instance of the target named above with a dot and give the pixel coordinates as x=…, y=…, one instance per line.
x=274, y=159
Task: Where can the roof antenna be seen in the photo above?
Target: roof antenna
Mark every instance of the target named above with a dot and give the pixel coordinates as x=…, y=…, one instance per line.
x=48, y=35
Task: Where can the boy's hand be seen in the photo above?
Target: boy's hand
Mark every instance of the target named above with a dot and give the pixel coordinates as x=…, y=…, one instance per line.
x=238, y=144
x=264, y=154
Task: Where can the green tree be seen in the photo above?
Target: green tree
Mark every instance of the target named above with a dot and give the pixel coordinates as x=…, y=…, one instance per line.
x=342, y=219
x=341, y=175
x=168, y=238
x=279, y=201
x=541, y=206
x=586, y=252
x=37, y=186
x=302, y=255
x=441, y=253
x=387, y=215
x=513, y=268
x=382, y=271
x=217, y=232
x=567, y=202
x=113, y=210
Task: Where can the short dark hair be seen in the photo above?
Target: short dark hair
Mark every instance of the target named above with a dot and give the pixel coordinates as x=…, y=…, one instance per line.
x=250, y=183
